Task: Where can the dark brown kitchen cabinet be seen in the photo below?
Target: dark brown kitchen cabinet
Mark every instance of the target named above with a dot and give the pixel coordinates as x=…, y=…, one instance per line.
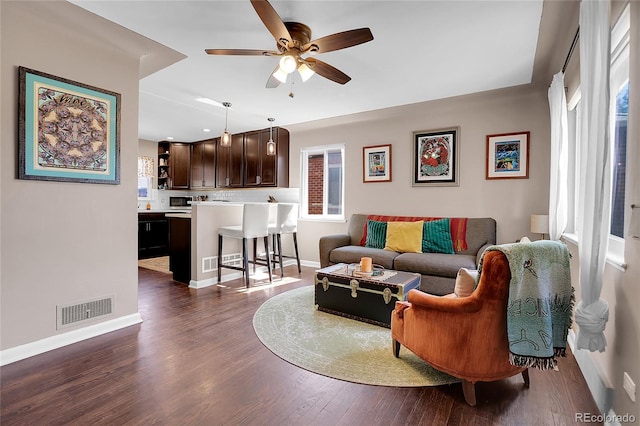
x=203, y=164
x=180, y=165
x=153, y=235
x=253, y=158
x=230, y=170
x=262, y=170
x=174, y=165
x=257, y=168
x=180, y=248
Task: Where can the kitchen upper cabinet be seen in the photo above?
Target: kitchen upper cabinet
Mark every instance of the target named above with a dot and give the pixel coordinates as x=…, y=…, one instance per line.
x=203, y=164
x=253, y=158
x=180, y=165
x=174, y=165
x=262, y=170
x=230, y=171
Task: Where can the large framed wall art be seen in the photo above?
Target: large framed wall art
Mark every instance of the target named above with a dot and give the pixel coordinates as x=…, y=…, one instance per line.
x=67, y=131
x=436, y=157
x=508, y=156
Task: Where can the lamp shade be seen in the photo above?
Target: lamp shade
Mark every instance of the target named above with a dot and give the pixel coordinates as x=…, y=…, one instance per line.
x=539, y=224
x=288, y=64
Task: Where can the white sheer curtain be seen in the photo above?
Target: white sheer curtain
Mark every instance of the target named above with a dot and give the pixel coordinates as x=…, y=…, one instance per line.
x=558, y=188
x=594, y=197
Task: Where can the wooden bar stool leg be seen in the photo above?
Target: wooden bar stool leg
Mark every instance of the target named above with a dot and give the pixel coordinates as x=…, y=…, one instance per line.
x=295, y=245
x=245, y=259
x=279, y=238
x=219, y=257
x=266, y=247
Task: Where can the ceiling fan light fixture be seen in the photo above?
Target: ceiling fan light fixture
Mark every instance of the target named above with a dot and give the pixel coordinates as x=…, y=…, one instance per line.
x=288, y=64
x=271, y=145
x=280, y=75
x=225, y=139
x=305, y=72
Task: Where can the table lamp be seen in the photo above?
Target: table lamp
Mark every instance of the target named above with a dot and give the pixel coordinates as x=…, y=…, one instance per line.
x=540, y=224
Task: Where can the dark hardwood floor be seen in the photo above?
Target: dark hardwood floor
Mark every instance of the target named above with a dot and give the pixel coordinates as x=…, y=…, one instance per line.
x=195, y=360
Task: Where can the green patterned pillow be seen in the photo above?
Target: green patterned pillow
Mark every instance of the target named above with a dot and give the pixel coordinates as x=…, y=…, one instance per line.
x=436, y=237
x=376, y=234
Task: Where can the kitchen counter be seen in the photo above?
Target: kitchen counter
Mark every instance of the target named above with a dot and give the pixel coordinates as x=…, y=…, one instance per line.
x=178, y=215
x=164, y=211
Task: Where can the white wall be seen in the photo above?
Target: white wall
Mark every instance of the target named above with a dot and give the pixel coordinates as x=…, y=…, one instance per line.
x=63, y=243
x=509, y=201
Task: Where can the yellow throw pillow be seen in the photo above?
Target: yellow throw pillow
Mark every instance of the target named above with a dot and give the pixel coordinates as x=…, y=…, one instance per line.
x=404, y=237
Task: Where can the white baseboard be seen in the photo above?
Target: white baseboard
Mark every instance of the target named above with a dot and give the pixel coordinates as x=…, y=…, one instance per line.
x=599, y=386
x=235, y=275
x=310, y=264
x=38, y=347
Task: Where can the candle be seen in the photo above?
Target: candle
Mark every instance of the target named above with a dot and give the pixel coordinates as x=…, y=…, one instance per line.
x=366, y=264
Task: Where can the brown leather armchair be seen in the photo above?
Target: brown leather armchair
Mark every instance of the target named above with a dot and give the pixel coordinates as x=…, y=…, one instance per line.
x=464, y=337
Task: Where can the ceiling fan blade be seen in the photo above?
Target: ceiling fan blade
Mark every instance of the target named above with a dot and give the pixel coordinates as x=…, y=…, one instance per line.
x=339, y=41
x=272, y=21
x=273, y=82
x=249, y=52
x=327, y=71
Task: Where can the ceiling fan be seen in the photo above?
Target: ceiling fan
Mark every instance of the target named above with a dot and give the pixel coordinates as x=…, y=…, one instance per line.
x=294, y=43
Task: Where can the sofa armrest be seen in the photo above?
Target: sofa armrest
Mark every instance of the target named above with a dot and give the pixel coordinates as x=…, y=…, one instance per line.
x=480, y=253
x=422, y=300
x=330, y=242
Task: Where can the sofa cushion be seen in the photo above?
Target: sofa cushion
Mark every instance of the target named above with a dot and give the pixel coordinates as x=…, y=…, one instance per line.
x=436, y=237
x=376, y=234
x=443, y=265
x=404, y=237
x=352, y=254
x=458, y=225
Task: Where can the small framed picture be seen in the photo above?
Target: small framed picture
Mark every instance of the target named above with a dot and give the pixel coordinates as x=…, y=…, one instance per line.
x=508, y=156
x=376, y=163
x=435, y=157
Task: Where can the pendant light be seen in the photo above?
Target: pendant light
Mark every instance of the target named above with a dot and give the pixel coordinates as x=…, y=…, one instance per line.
x=271, y=145
x=225, y=139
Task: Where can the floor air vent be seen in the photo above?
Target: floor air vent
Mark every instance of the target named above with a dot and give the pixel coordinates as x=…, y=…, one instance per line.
x=73, y=314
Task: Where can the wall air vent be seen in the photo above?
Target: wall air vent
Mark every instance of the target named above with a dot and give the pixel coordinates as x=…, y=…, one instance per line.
x=210, y=264
x=73, y=314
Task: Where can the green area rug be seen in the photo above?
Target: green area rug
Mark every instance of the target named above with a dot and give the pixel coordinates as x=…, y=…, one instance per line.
x=289, y=325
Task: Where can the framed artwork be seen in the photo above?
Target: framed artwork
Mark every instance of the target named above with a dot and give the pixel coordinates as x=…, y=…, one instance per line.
x=376, y=163
x=67, y=131
x=435, y=157
x=508, y=156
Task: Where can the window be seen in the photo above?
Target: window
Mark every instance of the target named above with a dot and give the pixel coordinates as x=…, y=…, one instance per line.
x=322, y=182
x=146, y=171
x=619, y=84
x=619, y=89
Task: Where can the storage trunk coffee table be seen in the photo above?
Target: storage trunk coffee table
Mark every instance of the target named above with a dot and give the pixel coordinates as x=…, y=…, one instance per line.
x=365, y=298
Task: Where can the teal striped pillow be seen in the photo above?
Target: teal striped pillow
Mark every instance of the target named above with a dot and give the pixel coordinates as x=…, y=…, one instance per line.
x=376, y=234
x=436, y=237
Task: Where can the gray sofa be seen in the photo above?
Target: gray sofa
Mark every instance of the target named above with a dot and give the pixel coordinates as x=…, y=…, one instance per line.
x=438, y=270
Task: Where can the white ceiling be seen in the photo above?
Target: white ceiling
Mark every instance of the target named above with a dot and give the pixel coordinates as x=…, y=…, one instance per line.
x=422, y=50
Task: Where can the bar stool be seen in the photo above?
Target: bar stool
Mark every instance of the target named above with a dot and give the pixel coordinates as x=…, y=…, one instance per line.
x=255, y=224
x=286, y=223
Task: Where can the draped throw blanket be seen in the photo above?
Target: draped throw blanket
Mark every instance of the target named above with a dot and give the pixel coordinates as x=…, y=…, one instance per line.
x=541, y=298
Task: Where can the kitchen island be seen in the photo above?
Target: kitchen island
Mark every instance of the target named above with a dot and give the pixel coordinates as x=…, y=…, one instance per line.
x=205, y=219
